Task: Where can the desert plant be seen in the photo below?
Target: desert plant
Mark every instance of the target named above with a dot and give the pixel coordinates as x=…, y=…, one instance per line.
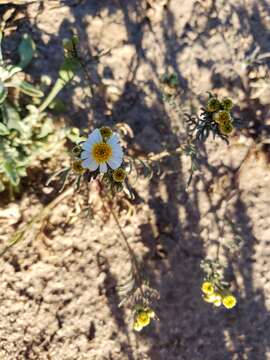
x=214, y=289
x=25, y=127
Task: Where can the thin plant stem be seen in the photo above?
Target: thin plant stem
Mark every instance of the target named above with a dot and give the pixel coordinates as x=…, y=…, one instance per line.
x=58, y=86
x=19, y=235
x=130, y=251
x=165, y=154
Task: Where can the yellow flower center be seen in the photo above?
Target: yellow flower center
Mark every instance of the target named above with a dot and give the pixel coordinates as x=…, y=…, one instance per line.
x=101, y=152
x=143, y=318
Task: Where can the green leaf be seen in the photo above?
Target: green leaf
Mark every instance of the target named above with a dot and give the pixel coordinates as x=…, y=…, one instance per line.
x=21, y=171
x=11, y=118
x=46, y=129
x=9, y=71
x=28, y=89
x=11, y=173
x=26, y=50
x=3, y=130
x=73, y=134
x=68, y=69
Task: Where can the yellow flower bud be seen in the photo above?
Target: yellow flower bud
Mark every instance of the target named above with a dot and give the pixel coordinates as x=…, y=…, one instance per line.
x=222, y=116
x=77, y=167
x=213, y=104
x=225, y=128
x=227, y=104
x=119, y=175
x=106, y=132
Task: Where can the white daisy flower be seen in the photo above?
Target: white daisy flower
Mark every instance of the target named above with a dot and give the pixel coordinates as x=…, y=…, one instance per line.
x=99, y=153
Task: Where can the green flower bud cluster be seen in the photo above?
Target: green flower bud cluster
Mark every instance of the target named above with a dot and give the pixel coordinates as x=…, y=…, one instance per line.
x=221, y=113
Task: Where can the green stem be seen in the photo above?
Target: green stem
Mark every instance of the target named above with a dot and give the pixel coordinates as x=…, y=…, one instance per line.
x=11, y=192
x=133, y=257
x=58, y=86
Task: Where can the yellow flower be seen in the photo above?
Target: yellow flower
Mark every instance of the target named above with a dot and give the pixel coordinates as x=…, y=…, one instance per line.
x=106, y=132
x=222, y=116
x=119, y=175
x=227, y=104
x=225, y=128
x=213, y=104
x=229, y=301
x=207, y=288
x=77, y=167
x=142, y=318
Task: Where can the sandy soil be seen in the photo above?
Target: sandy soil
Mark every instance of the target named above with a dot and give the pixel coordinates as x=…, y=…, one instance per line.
x=58, y=289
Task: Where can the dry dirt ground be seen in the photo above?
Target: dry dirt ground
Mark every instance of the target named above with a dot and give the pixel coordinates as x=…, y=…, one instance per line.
x=58, y=297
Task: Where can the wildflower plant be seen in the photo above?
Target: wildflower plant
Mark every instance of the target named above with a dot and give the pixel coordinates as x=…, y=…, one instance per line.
x=99, y=157
x=214, y=289
x=139, y=296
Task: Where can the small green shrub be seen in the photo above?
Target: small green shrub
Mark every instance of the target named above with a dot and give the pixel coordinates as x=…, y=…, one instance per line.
x=25, y=127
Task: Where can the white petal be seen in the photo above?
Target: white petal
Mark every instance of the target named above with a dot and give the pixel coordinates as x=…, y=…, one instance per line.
x=86, y=145
x=117, y=153
x=85, y=154
x=116, y=148
x=114, y=139
x=103, y=167
x=90, y=164
x=95, y=137
x=86, y=163
x=115, y=162
x=117, y=156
